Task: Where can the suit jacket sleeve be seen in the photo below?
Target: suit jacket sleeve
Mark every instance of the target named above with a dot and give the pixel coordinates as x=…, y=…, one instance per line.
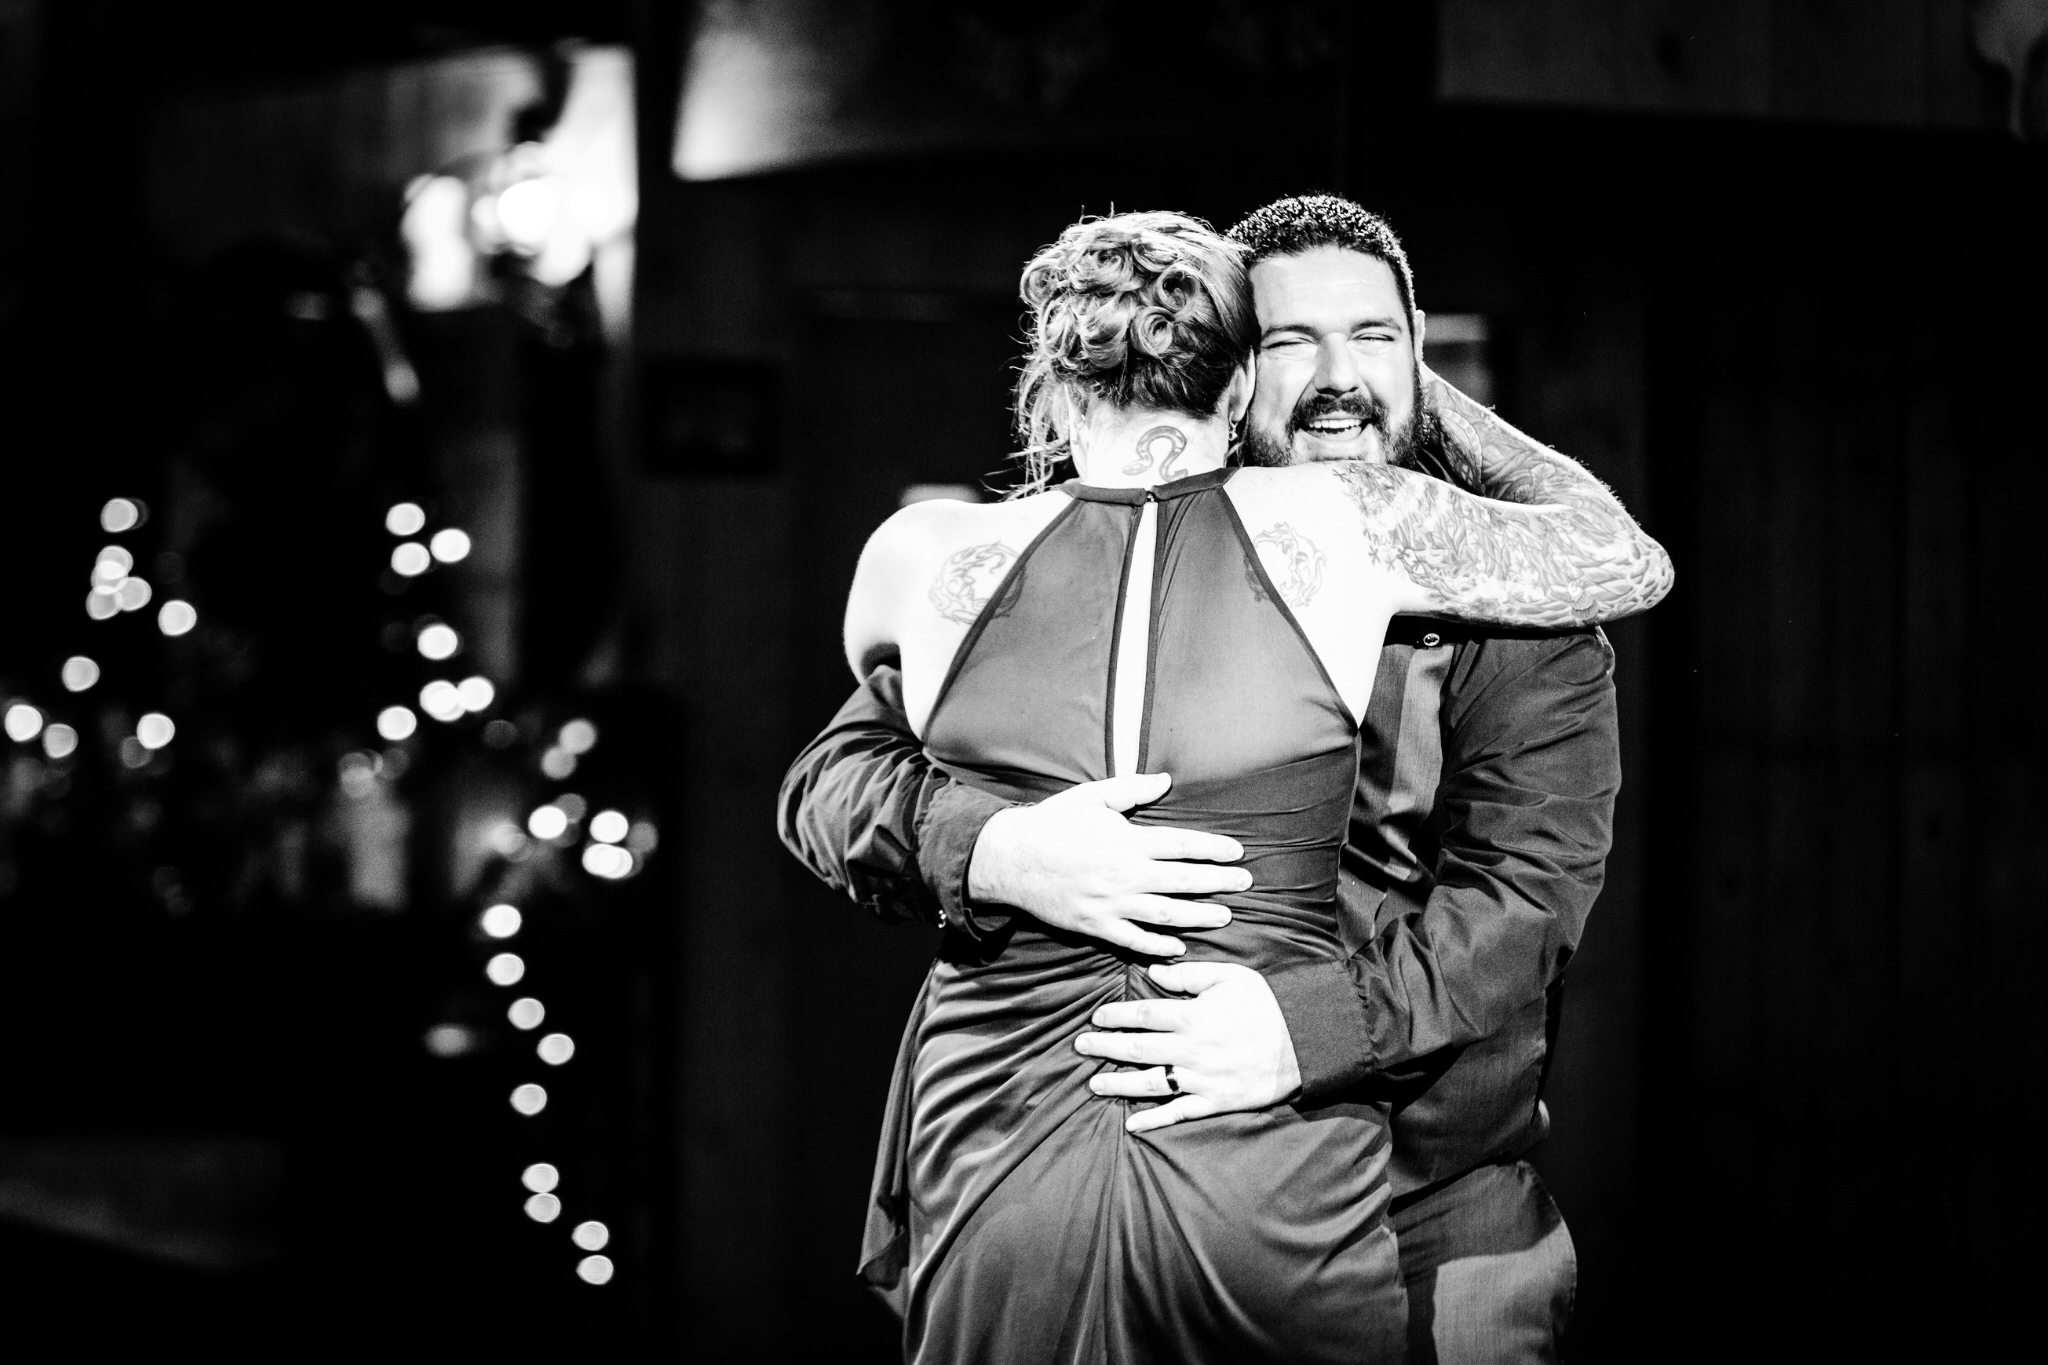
x=866, y=810
x=1523, y=821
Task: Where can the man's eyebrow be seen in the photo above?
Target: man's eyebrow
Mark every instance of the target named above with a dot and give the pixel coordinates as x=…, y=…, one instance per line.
x=1391, y=322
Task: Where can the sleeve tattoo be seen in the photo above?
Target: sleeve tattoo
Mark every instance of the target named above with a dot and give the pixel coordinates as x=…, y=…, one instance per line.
x=1578, y=560
x=967, y=580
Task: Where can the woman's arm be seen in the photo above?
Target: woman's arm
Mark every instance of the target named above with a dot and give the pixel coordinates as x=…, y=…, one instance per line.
x=873, y=629
x=1558, y=550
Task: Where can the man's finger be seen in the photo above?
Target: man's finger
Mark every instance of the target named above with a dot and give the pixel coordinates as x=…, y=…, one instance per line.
x=1174, y=914
x=1139, y=1049
x=1166, y=1115
x=1131, y=1085
x=1160, y=1016
x=1122, y=793
x=1175, y=845
x=1187, y=978
x=1192, y=879
x=1125, y=934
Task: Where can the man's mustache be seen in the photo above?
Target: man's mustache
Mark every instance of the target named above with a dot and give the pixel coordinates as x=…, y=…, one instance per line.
x=1316, y=406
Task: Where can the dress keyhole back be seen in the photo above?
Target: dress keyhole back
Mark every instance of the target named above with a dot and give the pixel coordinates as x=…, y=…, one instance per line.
x=1131, y=665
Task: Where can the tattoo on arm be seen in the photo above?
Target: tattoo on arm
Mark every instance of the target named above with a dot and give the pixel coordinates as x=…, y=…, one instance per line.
x=967, y=580
x=1506, y=464
x=1170, y=440
x=1292, y=562
x=1576, y=561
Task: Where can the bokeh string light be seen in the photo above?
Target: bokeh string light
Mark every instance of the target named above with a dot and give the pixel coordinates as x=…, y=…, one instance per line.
x=614, y=846
x=113, y=588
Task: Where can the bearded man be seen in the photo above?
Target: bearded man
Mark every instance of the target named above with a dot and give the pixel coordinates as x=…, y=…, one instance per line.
x=1479, y=833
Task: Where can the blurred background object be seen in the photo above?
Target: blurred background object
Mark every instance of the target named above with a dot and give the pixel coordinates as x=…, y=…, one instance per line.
x=437, y=441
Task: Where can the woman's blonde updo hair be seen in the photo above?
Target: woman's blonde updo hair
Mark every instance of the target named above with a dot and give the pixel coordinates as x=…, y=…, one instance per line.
x=1136, y=310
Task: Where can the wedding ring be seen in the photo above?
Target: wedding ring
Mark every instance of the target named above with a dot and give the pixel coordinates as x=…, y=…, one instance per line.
x=1172, y=1085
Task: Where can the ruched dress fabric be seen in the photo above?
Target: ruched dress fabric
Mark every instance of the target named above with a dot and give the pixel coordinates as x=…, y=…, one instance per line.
x=1014, y=1220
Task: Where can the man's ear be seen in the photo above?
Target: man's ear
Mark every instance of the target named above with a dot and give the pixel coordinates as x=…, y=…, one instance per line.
x=1421, y=327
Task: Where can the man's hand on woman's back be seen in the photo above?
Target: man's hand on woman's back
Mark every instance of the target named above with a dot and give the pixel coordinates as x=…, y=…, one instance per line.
x=1074, y=861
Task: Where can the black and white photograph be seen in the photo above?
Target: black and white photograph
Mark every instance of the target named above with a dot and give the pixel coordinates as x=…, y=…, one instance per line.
x=1239, y=682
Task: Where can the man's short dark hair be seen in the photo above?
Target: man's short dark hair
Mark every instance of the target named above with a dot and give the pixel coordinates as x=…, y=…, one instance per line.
x=1292, y=226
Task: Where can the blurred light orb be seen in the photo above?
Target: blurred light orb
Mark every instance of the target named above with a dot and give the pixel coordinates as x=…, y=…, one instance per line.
x=529, y=1099
x=572, y=806
x=155, y=730
x=23, y=722
x=543, y=1208
x=112, y=565
x=595, y=1270
x=578, y=737
x=556, y=1048
x=506, y=839
x=176, y=617
x=476, y=693
x=450, y=1040
x=547, y=822
x=359, y=774
x=526, y=1013
x=505, y=969
x=609, y=826
x=397, y=722
x=411, y=559
x=132, y=594
x=558, y=763
x=133, y=754
x=642, y=839
x=501, y=734
x=501, y=921
x=102, y=604
x=434, y=227
x=79, y=673
x=450, y=545
x=541, y=1177
x=608, y=861
x=591, y=1236
x=439, y=641
x=120, y=514
x=441, y=700
x=527, y=211
x=60, y=741
x=405, y=519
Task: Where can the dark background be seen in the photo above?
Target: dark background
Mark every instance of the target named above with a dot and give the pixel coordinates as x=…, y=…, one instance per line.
x=1775, y=269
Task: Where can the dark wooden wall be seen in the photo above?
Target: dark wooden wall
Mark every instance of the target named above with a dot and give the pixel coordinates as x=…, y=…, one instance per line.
x=1846, y=859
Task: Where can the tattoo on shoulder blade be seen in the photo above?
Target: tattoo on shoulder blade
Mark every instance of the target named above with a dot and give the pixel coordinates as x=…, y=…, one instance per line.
x=1161, y=444
x=968, y=579
x=1292, y=561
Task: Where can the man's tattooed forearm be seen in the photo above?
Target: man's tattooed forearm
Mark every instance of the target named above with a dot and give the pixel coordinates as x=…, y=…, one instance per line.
x=1576, y=564
x=1503, y=463
x=1292, y=561
x=1161, y=444
x=967, y=580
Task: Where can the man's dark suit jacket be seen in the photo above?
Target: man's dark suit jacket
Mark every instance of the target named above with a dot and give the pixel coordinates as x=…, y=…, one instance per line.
x=1479, y=836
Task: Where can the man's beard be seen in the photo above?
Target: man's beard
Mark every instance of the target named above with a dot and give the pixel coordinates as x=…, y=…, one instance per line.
x=1419, y=443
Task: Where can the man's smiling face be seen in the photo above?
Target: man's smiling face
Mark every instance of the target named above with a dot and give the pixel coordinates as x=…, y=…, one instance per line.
x=1337, y=361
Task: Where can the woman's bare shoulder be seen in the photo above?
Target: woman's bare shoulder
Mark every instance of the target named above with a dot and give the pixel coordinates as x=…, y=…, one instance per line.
x=943, y=525
x=1312, y=491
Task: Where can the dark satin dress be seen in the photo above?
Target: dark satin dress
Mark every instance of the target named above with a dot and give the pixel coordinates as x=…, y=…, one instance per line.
x=1014, y=1218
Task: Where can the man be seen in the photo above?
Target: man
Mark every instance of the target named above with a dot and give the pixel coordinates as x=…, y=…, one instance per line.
x=1479, y=833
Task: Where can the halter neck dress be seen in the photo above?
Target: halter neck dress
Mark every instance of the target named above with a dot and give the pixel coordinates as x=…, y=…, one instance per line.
x=1013, y=1219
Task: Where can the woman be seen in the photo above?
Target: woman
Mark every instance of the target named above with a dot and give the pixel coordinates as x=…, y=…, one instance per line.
x=1165, y=612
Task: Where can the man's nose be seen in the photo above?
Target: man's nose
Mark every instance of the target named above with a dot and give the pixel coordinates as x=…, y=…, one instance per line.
x=1336, y=372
